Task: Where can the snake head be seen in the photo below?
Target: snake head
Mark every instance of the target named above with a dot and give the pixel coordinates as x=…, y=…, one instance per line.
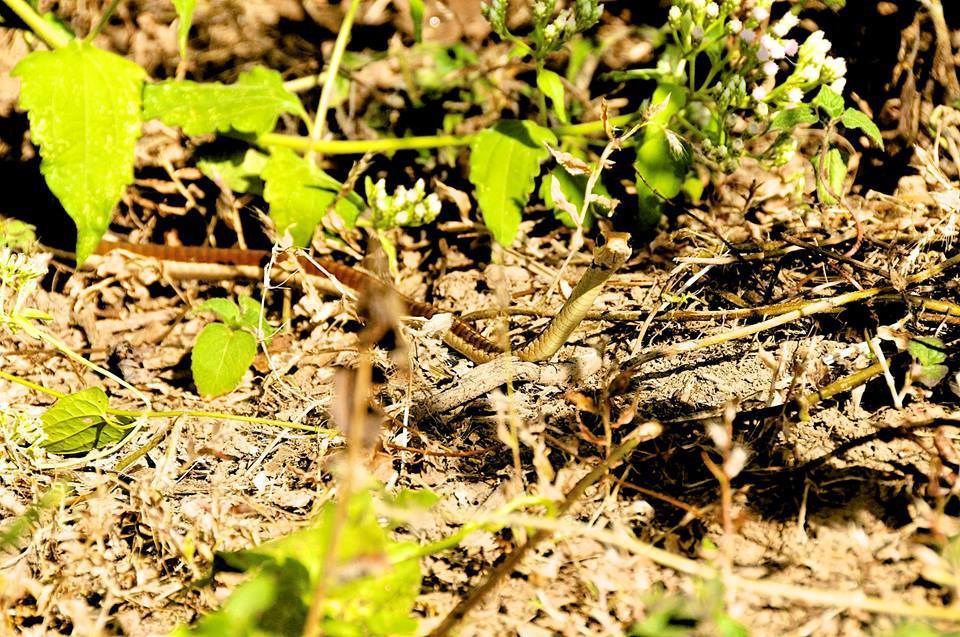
x=614, y=252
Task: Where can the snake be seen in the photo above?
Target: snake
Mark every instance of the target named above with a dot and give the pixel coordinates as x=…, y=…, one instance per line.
x=608, y=257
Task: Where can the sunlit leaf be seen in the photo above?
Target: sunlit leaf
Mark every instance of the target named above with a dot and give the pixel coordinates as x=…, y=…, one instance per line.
x=416, y=14
x=299, y=195
x=239, y=173
x=79, y=422
x=573, y=188
x=829, y=102
x=225, y=310
x=857, y=120
x=551, y=84
x=220, y=357
x=84, y=110
x=373, y=593
x=250, y=105
x=790, y=118
x=835, y=169
x=504, y=162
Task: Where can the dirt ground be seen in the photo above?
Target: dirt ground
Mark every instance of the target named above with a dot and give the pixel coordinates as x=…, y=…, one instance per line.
x=841, y=496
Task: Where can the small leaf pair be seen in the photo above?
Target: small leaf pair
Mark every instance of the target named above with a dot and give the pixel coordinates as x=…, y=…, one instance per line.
x=224, y=351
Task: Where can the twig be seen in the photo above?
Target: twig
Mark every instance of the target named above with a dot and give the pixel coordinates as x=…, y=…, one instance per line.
x=513, y=559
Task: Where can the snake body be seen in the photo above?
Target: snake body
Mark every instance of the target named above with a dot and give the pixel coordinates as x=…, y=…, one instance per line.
x=461, y=336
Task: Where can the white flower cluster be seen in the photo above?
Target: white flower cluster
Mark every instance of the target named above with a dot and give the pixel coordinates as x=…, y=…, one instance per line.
x=405, y=207
x=758, y=65
x=19, y=275
x=549, y=33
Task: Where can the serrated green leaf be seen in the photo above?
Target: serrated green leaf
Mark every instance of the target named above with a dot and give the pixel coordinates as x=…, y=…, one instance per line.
x=927, y=350
x=504, y=162
x=416, y=14
x=220, y=357
x=299, y=194
x=836, y=171
x=377, y=600
x=790, y=118
x=84, y=110
x=79, y=422
x=829, y=102
x=250, y=105
x=857, y=120
x=225, y=310
x=240, y=173
x=185, y=14
x=551, y=85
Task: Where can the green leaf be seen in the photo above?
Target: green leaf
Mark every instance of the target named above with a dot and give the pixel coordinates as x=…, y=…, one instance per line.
x=220, y=357
x=836, y=171
x=504, y=162
x=225, y=309
x=917, y=629
x=241, y=613
x=927, y=350
x=416, y=14
x=252, y=319
x=251, y=105
x=240, y=173
x=572, y=187
x=790, y=118
x=79, y=422
x=299, y=195
x=413, y=499
x=551, y=85
x=829, y=102
x=376, y=599
x=662, y=160
x=84, y=110
x=857, y=120
x=185, y=14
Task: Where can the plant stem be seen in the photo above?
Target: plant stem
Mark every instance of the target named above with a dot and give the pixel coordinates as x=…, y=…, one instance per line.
x=214, y=415
x=103, y=21
x=333, y=68
x=43, y=29
x=391, y=144
x=513, y=559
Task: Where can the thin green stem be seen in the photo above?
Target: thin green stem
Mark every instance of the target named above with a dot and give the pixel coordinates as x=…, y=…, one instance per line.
x=361, y=146
x=388, y=145
x=103, y=21
x=541, y=98
x=43, y=29
x=214, y=415
x=333, y=68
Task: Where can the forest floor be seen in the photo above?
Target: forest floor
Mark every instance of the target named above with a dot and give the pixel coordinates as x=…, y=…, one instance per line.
x=837, y=498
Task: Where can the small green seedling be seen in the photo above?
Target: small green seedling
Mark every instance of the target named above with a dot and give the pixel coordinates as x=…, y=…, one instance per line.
x=928, y=353
x=224, y=350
